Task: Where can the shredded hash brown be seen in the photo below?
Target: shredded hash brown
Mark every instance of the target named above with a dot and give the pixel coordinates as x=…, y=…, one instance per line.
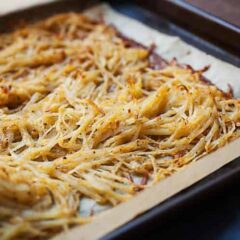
x=85, y=114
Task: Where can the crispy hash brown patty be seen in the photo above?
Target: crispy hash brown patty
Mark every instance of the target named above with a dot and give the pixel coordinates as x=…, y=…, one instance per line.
x=84, y=113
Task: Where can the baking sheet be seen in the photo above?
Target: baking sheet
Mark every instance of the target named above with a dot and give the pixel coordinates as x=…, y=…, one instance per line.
x=220, y=73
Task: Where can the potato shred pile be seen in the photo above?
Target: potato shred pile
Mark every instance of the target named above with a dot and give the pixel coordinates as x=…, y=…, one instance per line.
x=85, y=114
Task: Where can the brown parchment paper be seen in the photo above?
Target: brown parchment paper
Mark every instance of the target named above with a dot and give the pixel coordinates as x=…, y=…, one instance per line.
x=111, y=219
x=220, y=73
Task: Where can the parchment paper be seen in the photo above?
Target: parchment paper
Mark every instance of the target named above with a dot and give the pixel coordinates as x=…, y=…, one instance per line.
x=109, y=220
x=8, y=6
x=220, y=73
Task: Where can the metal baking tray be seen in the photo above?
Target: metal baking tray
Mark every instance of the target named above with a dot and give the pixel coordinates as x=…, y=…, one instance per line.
x=172, y=17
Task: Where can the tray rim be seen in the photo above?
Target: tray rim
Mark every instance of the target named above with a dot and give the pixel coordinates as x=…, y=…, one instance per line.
x=203, y=23
x=209, y=16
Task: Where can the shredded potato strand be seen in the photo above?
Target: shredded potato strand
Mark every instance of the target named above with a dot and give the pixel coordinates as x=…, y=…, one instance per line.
x=84, y=115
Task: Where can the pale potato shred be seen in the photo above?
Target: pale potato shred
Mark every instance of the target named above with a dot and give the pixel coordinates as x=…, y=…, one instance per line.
x=85, y=114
